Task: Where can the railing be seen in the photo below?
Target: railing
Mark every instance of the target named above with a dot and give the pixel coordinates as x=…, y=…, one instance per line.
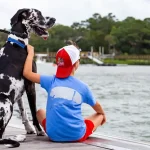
x=82, y=54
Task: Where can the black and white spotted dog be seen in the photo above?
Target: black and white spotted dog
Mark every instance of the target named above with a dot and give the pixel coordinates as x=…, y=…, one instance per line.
x=12, y=58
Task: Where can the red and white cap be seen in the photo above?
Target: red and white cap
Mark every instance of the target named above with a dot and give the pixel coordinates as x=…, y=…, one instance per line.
x=65, y=59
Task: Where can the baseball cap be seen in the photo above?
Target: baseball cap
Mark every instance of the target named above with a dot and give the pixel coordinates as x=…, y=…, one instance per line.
x=65, y=59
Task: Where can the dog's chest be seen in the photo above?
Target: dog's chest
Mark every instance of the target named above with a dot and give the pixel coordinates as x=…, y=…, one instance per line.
x=11, y=87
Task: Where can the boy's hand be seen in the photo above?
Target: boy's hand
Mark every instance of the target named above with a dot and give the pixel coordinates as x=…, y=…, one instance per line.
x=30, y=50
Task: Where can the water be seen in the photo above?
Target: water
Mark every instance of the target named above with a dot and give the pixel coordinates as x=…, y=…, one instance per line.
x=124, y=93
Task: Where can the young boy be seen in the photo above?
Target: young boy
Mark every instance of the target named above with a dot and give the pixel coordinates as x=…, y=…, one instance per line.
x=62, y=120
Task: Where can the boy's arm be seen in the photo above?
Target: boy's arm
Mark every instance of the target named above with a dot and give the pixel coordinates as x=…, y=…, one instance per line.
x=27, y=71
x=98, y=108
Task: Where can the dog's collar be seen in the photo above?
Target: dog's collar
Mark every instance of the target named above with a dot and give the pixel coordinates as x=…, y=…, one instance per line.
x=16, y=42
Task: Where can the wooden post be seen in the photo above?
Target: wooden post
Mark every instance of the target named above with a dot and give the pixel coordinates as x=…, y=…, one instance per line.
x=100, y=53
x=48, y=54
x=92, y=53
x=102, y=50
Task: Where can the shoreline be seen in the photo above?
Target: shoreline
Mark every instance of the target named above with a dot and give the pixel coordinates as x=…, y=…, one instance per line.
x=111, y=62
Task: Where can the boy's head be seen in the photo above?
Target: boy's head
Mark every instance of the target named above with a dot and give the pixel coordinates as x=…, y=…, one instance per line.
x=66, y=57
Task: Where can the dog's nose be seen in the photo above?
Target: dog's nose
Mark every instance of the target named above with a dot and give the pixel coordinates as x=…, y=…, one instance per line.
x=53, y=19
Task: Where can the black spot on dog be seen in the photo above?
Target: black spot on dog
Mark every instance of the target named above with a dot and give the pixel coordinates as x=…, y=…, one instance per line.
x=2, y=112
x=12, y=96
x=1, y=124
x=4, y=86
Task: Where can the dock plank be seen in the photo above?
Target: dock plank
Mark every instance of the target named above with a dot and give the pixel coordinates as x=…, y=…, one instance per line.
x=34, y=142
x=94, y=142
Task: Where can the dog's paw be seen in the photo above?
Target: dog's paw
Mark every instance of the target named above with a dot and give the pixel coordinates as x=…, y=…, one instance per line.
x=18, y=138
x=29, y=128
x=30, y=132
x=39, y=133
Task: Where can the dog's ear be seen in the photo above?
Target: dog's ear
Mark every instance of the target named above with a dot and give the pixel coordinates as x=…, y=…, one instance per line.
x=19, y=13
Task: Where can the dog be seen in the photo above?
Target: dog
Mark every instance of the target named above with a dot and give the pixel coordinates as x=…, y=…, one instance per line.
x=12, y=58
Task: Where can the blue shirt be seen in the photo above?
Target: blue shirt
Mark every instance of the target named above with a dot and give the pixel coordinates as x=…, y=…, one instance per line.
x=64, y=121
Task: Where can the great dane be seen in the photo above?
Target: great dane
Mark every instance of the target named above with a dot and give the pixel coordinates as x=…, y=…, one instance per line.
x=12, y=58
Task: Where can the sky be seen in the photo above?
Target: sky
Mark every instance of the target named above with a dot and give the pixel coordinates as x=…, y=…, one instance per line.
x=68, y=11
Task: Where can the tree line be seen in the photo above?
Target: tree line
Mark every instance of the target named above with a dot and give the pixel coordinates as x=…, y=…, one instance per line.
x=129, y=36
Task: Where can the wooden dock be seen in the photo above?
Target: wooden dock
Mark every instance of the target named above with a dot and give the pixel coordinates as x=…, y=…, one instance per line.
x=94, y=142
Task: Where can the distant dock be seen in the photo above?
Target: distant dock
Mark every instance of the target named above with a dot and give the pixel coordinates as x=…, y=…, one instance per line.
x=94, y=57
x=94, y=142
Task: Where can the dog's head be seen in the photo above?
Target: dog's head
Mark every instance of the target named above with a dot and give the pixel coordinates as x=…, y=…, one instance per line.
x=32, y=20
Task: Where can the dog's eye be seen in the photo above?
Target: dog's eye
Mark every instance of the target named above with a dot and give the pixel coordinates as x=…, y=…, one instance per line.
x=39, y=13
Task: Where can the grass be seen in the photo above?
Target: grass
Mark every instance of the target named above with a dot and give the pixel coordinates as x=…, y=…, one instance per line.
x=129, y=61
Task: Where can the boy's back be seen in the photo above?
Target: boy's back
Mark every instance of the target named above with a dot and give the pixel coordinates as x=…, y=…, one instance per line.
x=65, y=97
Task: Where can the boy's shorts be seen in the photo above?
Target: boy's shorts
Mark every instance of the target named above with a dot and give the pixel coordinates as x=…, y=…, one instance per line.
x=89, y=129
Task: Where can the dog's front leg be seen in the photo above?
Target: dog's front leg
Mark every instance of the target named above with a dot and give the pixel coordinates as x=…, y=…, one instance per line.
x=30, y=90
x=31, y=94
x=24, y=116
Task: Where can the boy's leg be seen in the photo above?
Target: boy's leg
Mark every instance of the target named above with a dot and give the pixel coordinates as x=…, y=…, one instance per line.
x=96, y=119
x=41, y=115
x=92, y=122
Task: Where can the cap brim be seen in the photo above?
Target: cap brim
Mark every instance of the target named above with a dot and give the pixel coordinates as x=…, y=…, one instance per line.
x=63, y=72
